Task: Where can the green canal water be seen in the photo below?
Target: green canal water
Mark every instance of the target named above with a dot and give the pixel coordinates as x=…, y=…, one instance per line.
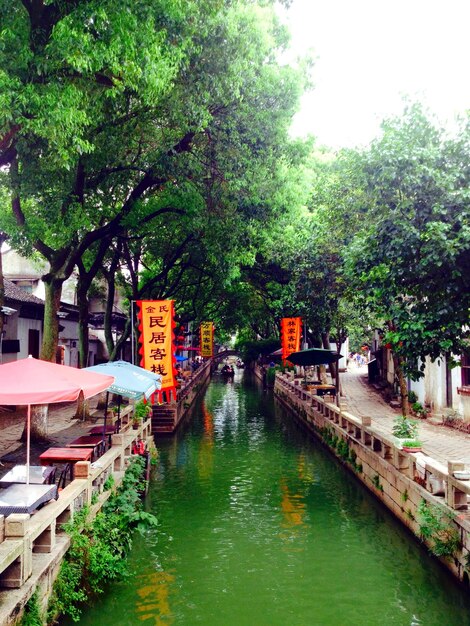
x=259, y=526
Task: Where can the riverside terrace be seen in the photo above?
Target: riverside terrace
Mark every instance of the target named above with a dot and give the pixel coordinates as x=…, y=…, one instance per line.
x=32, y=546
x=405, y=482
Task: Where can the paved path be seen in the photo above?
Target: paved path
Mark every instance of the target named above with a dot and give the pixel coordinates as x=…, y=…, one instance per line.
x=439, y=442
x=62, y=427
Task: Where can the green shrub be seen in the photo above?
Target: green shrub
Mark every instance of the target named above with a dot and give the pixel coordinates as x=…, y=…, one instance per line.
x=435, y=527
x=412, y=443
x=141, y=411
x=418, y=408
x=108, y=483
x=412, y=397
x=376, y=482
x=271, y=375
x=98, y=549
x=343, y=449
x=32, y=614
x=405, y=428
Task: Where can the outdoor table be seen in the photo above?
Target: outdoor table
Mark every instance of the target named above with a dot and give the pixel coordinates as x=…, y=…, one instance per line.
x=323, y=390
x=88, y=441
x=37, y=475
x=110, y=430
x=65, y=455
x=98, y=430
x=25, y=498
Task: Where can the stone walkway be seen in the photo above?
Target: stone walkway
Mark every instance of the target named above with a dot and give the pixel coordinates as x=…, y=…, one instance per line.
x=439, y=442
x=62, y=425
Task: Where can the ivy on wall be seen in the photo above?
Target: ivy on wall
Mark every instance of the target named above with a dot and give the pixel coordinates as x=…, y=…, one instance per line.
x=97, y=549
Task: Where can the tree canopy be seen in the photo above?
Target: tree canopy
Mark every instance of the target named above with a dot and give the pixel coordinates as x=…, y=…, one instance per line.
x=116, y=116
x=146, y=144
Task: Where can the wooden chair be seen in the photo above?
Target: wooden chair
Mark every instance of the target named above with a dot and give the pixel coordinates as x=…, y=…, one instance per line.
x=62, y=479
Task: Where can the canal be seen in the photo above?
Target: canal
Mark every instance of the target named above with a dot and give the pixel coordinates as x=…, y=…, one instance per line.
x=259, y=526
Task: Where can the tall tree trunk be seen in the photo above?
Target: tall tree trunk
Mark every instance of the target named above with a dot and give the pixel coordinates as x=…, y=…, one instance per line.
x=85, y=279
x=83, y=321
x=108, y=317
x=325, y=339
x=83, y=408
x=338, y=385
x=38, y=431
x=398, y=367
x=3, y=238
x=119, y=345
x=110, y=277
x=51, y=322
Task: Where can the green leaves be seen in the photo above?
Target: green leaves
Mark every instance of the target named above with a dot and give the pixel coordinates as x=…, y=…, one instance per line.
x=97, y=550
x=409, y=257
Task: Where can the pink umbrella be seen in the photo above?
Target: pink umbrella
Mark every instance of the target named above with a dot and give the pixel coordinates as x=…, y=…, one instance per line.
x=31, y=381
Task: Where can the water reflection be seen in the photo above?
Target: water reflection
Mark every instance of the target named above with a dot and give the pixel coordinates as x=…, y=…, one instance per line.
x=260, y=527
x=206, y=449
x=154, y=599
x=293, y=507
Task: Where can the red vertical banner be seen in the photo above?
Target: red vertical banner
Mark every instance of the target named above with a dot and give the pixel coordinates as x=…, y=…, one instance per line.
x=207, y=339
x=156, y=325
x=291, y=333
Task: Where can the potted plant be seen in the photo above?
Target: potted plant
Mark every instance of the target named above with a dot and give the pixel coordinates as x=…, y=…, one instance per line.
x=404, y=428
x=419, y=410
x=141, y=411
x=411, y=445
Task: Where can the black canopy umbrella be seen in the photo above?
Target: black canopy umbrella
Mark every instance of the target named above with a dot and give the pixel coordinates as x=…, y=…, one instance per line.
x=314, y=356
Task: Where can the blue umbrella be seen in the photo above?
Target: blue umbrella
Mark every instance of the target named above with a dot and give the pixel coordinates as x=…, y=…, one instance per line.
x=181, y=358
x=130, y=380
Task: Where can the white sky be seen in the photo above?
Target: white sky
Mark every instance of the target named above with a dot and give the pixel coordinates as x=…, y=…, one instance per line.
x=370, y=53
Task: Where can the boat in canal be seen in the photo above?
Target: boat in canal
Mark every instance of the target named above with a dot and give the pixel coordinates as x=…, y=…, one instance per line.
x=227, y=371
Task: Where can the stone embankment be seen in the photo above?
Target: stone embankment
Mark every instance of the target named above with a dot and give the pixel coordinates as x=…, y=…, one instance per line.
x=167, y=417
x=419, y=489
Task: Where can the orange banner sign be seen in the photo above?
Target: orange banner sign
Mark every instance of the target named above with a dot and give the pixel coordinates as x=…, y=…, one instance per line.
x=207, y=339
x=291, y=332
x=157, y=341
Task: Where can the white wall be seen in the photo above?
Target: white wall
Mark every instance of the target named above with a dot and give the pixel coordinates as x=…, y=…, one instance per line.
x=344, y=351
x=23, y=327
x=431, y=390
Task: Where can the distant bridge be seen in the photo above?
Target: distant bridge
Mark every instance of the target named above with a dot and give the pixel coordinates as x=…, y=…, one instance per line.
x=225, y=353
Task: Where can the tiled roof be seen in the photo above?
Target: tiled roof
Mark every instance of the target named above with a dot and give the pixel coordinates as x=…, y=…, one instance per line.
x=12, y=292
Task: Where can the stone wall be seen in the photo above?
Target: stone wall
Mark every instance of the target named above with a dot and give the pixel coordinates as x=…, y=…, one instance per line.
x=407, y=483
x=167, y=417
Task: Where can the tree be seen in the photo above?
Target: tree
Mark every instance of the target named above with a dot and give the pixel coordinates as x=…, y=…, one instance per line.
x=74, y=69
x=89, y=138
x=412, y=256
x=3, y=238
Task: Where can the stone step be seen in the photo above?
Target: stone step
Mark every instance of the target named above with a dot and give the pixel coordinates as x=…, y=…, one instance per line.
x=162, y=430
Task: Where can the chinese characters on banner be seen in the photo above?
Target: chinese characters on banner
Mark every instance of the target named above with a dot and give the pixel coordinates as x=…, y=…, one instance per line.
x=291, y=331
x=207, y=339
x=156, y=341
